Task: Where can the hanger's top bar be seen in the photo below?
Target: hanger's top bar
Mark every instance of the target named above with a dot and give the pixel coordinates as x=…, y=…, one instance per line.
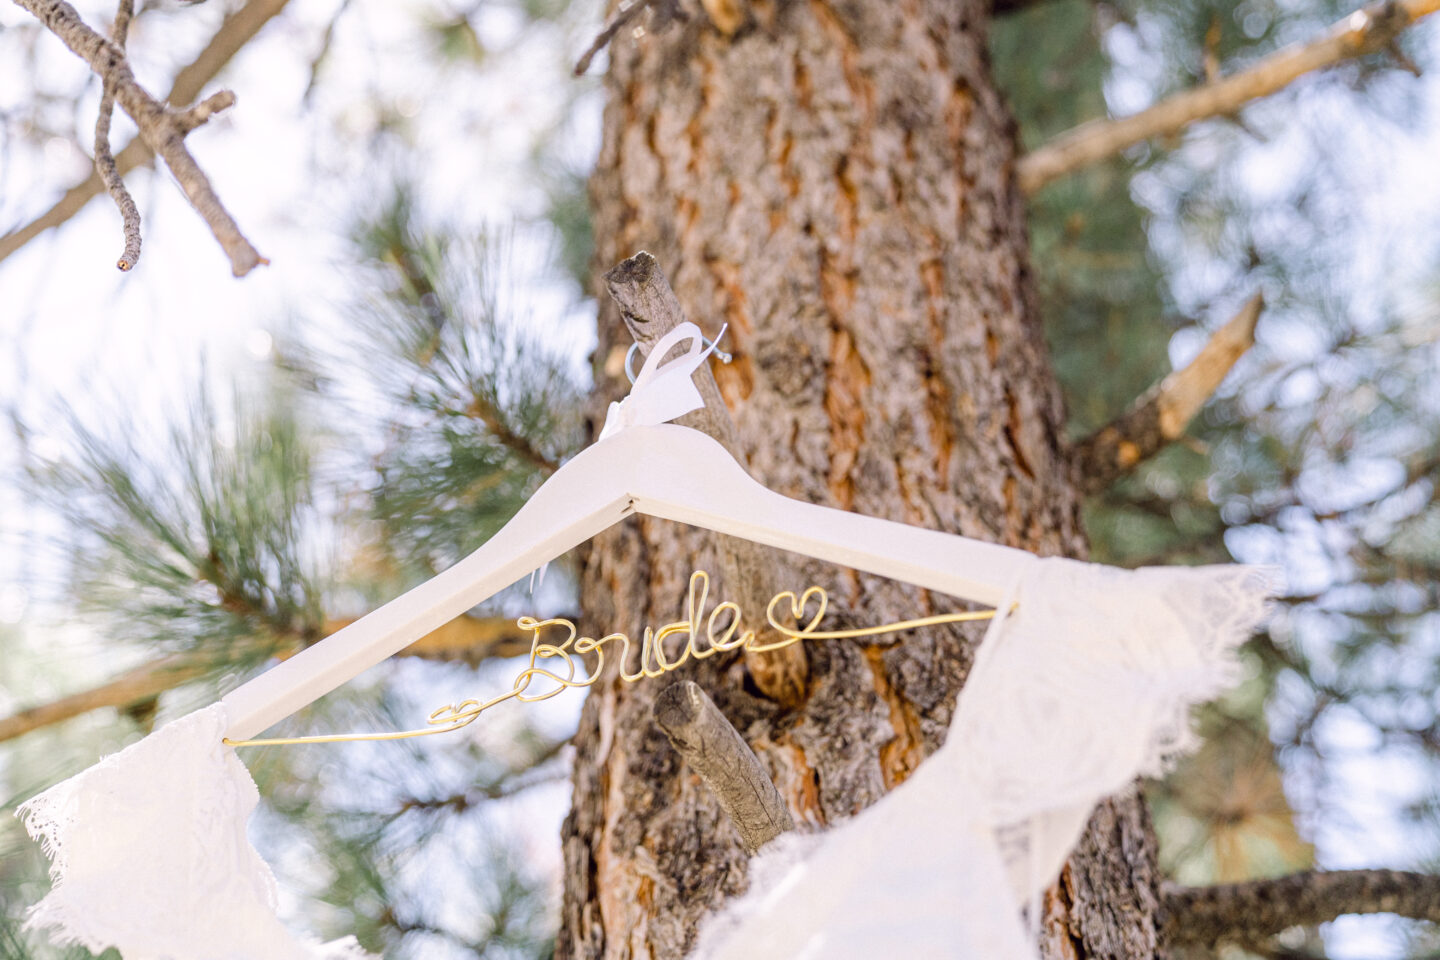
x=724, y=498
x=665, y=471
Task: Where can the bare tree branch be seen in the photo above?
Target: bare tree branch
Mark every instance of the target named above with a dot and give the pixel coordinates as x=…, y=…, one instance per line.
x=237, y=30
x=715, y=750
x=132, y=687
x=73, y=201
x=664, y=12
x=467, y=639
x=1254, y=911
x=200, y=114
x=1162, y=413
x=317, y=63
x=1402, y=59
x=627, y=10
x=749, y=571
x=1365, y=31
x=156, y=122
x=105, y=160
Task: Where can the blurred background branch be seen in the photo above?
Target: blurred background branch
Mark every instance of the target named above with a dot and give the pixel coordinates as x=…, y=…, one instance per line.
x=1363, y=32
x=162, y=129
x=1251, y=913
x=1161, y=414
x=237, y=30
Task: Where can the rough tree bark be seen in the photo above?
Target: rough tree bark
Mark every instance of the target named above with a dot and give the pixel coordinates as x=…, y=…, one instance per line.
x=837, y=181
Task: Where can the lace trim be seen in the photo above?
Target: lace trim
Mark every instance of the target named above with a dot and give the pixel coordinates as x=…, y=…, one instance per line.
x=1089, y=683
x=149, y=855
x=1091, y=680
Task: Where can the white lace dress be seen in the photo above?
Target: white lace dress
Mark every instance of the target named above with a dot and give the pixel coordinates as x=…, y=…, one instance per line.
x=1087, y=684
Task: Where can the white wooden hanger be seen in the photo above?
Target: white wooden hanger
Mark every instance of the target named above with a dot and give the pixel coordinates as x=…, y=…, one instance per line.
x=641, y=464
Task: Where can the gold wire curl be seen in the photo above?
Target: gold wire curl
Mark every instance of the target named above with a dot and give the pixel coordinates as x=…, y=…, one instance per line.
x=719, y=633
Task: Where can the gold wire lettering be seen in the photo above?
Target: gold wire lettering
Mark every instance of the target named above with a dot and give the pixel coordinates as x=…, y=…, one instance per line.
x=560, y=666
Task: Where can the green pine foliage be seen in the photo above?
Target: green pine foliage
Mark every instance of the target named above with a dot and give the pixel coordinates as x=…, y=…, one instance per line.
x=1319, y=453
x=205, y=542
x=1100, y=292
x=480, y=408
x=227, y=543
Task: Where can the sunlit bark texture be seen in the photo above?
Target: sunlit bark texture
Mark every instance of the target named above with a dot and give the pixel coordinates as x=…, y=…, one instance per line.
x=835, y=181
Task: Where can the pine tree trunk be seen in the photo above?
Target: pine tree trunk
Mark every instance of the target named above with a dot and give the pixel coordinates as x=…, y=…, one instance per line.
x=835, y=181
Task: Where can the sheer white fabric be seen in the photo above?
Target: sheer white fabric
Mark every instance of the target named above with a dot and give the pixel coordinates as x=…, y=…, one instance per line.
x=149, y=855
x=1085, y=685
x=1088, y=683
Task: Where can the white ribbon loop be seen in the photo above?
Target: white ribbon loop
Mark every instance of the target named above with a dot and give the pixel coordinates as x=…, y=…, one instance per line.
x=662, y=392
